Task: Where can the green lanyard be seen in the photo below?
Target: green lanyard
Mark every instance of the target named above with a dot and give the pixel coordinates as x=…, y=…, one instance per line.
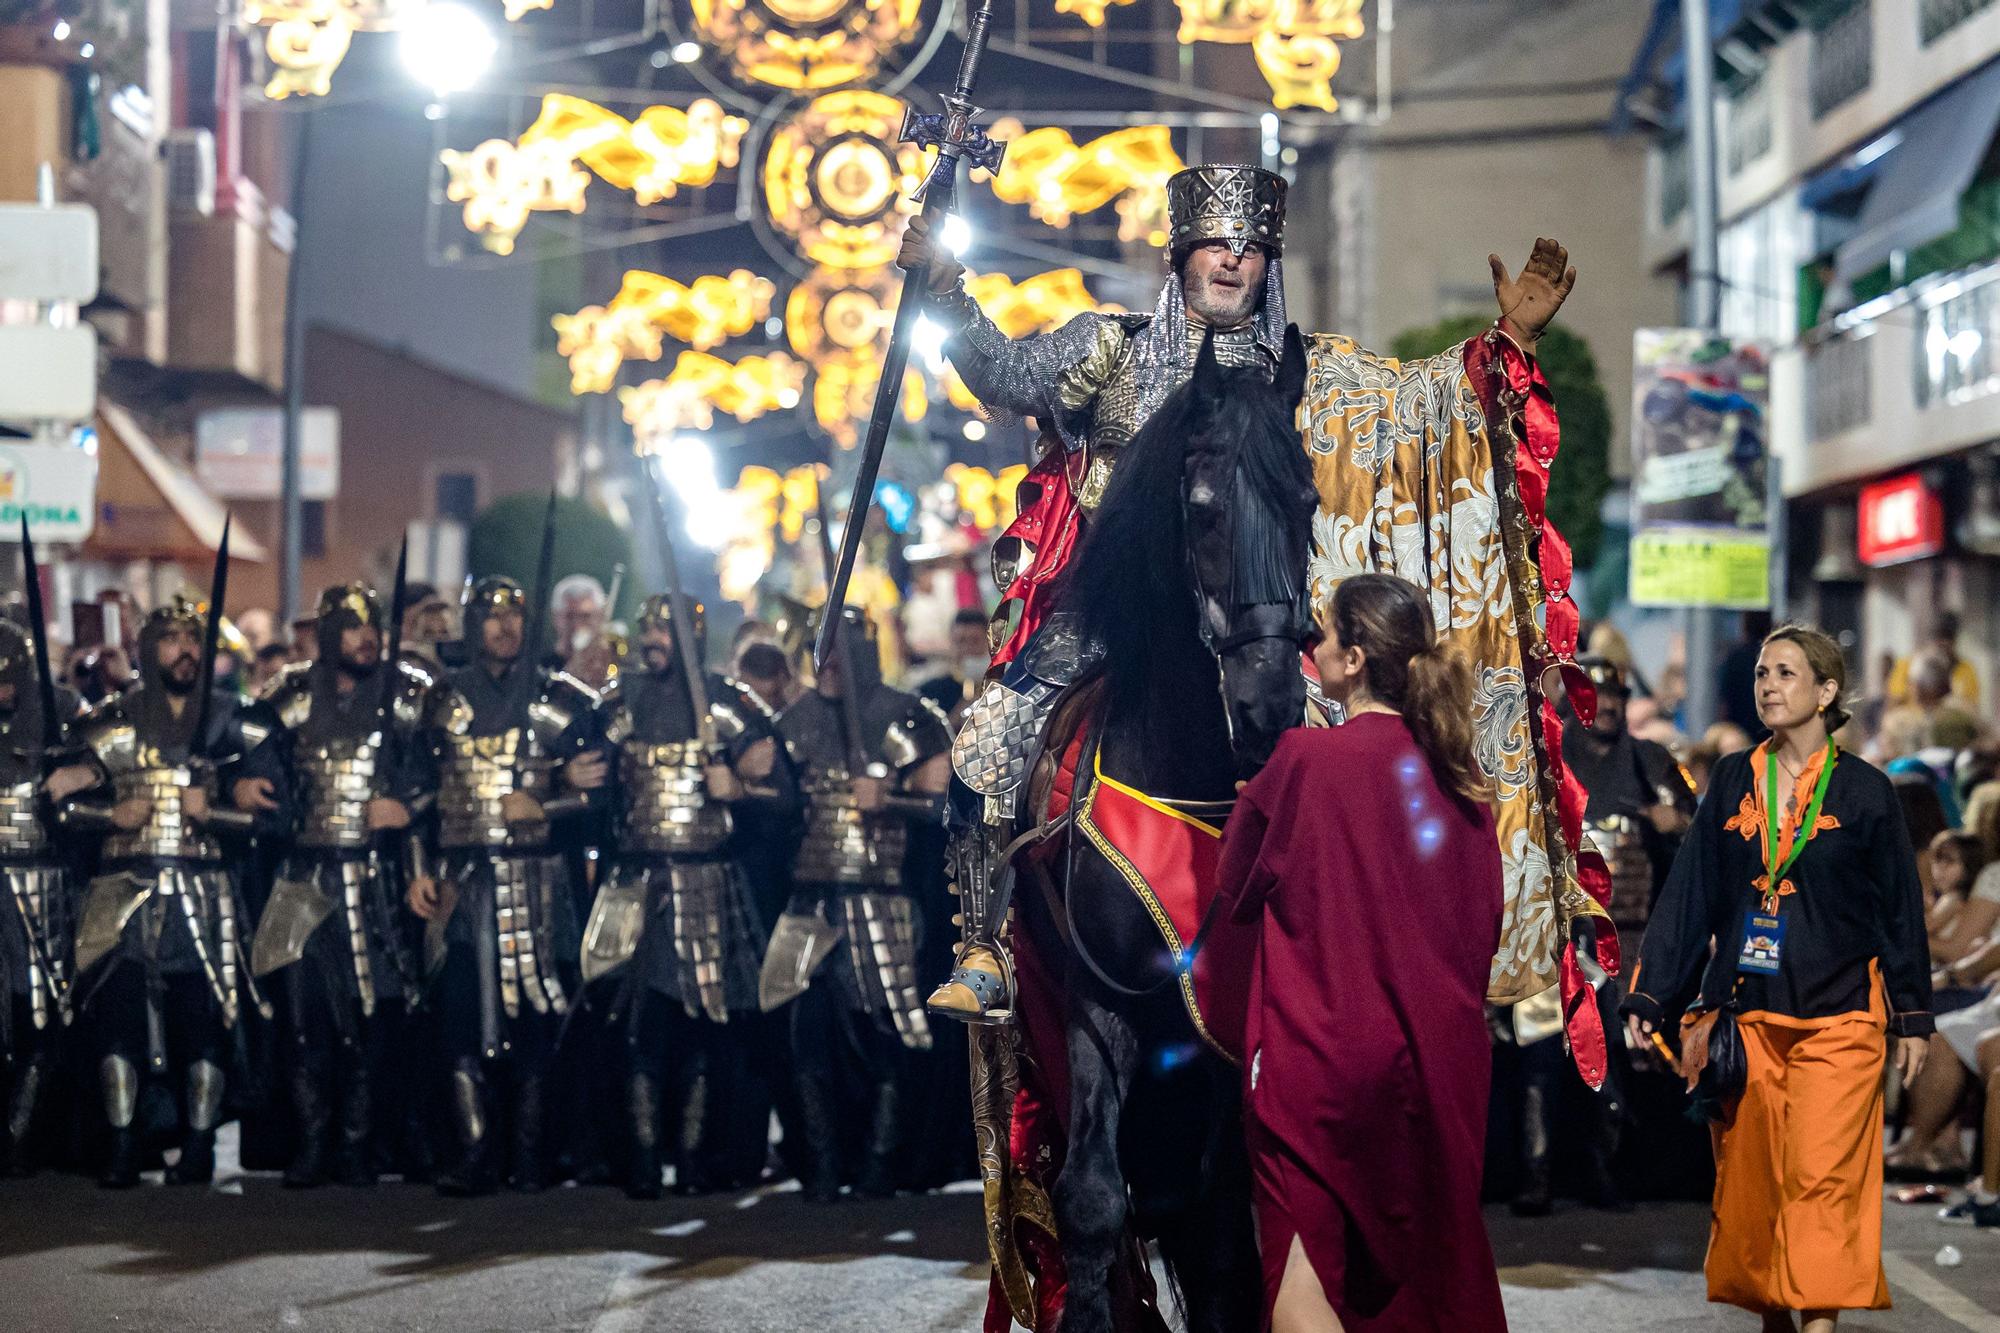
x=1773, y=815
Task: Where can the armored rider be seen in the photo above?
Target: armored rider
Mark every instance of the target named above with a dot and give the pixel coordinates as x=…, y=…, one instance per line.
x=332, y=931
x=1090, y=385
x=875, y=763
x=517, y=759
x=676, y=904
x=38, y=917
x=162, y=946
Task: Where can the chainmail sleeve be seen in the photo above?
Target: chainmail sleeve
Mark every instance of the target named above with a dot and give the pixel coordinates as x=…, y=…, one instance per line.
x=1052, y=377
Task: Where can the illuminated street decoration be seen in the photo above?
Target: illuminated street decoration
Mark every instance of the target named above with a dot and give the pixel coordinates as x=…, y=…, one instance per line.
x=838, y=320
x=307, y=39
x=1090, y=11
x=985, y=500
x=1295, y=42
x=650, y=308
x=805, y=45
x=1039, y=304
x=518, y=9
x=652, y=156
x=1056, y=177
x=699, y=385
x=501, y=183
x=836, y=180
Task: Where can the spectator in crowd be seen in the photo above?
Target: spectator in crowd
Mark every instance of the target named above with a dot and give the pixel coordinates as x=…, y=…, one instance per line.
x=578, y=609
x=1961, y=677
x=954, y=680
x=305, y=639
x=1933, y=717
x=1736, y=678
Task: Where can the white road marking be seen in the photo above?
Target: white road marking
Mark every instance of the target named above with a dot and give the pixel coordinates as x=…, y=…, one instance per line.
x=625, y=1304
x=1912, y=1277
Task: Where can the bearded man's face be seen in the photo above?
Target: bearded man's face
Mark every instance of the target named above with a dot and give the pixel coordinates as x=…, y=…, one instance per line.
x=1222, y=287
x=178, y=656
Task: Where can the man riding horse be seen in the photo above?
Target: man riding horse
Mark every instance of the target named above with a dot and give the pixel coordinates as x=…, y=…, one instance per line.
x=1093, y=383
x=1435, y=470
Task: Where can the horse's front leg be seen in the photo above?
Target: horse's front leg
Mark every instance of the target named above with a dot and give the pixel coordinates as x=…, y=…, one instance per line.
x=1090, y=1199
x=1211, y=1247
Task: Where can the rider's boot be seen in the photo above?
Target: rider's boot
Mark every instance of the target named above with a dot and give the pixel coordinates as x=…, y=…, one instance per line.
x=981, y=988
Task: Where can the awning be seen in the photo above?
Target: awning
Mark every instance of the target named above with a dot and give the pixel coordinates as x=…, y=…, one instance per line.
x=151, y=508
x=1915, y=196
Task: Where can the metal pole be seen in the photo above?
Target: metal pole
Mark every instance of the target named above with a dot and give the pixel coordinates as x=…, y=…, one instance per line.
x=291, y=535
x=1704, y=306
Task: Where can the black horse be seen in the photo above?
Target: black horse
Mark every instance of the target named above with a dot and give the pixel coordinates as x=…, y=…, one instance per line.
x=1192, y=582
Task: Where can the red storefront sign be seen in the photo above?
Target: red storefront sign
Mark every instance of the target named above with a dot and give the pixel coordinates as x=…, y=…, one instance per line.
x=1901, y=519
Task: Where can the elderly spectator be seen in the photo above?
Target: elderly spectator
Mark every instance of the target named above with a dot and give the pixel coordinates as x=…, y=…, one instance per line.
x=1961, y=677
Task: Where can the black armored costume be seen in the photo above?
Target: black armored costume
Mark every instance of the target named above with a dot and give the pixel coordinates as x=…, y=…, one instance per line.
x=505, y=940
x=875, y=764
x=676, y=904
x=332, y=932
x=162, y=946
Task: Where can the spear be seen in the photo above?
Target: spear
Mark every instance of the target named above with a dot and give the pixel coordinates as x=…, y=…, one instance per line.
x=693, y=674
x=51, y=738
x=956, y=138
x=211, y=634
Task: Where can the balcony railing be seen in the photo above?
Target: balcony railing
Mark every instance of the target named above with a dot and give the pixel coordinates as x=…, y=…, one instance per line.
x=1673, y=167
x=1839, y=393
x=1842, y=58
x=1935, y=18
x=1749, y=124
x=1958, y=340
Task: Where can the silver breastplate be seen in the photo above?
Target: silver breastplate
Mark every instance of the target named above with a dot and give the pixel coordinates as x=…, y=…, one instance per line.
x=1619, y=838
x=480, y=770
x=339, y=781
x=21, y=831
x=1135, y=390
x=168, y=831
x=666, y=806
x=845, y=846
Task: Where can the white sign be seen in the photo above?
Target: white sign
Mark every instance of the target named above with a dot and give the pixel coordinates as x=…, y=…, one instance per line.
x=239, y=452
x=47, y=373
x=48, y=254
x=55, y=485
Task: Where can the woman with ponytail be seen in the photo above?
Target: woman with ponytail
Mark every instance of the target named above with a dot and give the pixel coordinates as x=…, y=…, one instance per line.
x=1366, y=857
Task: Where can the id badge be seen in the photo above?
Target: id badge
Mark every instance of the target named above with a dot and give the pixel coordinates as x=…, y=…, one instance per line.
x=1763, y=942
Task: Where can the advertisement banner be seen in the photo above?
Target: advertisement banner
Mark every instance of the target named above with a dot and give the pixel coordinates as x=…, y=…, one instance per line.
x=1700, y=533
x=238, y=452
x=55, y=485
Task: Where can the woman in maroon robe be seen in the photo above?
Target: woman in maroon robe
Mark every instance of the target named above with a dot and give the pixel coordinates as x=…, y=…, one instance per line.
x=1368, y=855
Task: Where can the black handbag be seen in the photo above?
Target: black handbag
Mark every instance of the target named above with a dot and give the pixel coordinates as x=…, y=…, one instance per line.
x=1726, y=1074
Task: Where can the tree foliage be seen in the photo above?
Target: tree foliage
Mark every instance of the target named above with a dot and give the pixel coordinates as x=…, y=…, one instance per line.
x=1582, y=472
x=506, y=538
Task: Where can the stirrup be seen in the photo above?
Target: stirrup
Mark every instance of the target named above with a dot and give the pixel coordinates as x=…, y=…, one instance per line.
x=974, y=995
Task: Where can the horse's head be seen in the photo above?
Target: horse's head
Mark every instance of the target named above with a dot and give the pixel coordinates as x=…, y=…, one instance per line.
x=1248, y=499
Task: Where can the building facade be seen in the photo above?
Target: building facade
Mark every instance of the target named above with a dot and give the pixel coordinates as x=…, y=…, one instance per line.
x=1860, y=240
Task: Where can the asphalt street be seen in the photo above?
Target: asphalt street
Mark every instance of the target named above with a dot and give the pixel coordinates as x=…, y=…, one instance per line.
x=248, y=1255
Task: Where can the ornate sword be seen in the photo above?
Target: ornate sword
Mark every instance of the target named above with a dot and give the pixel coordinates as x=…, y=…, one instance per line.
x=956, y=138
x=52, y=739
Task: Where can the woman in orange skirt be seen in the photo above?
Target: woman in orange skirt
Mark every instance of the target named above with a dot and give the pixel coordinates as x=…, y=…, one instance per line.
x=1800, y=871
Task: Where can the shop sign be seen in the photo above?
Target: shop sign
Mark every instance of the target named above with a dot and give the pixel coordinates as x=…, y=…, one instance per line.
x=54, y=485
x=1901, y=519
x=239, y=452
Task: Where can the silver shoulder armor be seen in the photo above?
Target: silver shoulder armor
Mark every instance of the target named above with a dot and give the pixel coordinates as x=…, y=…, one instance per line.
x=255, y=723
x=289, y=693
x=414, y=690
x=750, y=703
x=916, y=736
x=616, y=713
x=447, y=711
x=563, y=700
x=110, y=734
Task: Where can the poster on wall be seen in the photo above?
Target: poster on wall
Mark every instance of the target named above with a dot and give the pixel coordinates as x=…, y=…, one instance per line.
x=1700, y=530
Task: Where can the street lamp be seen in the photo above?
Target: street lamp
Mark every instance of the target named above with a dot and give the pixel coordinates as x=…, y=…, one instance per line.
x=447, y=47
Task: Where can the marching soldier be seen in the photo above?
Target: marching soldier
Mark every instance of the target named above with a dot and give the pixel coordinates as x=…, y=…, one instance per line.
x=161, y=948
x=332, y=929
x=517, y=759
x=38, y=917
x=677, y=903
x=876, y=762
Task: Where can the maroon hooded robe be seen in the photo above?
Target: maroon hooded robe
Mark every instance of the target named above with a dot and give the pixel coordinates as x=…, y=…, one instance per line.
x=1368, y=1063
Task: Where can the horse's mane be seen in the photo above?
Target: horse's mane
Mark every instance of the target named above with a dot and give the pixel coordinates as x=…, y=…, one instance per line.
x=1130, y=584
